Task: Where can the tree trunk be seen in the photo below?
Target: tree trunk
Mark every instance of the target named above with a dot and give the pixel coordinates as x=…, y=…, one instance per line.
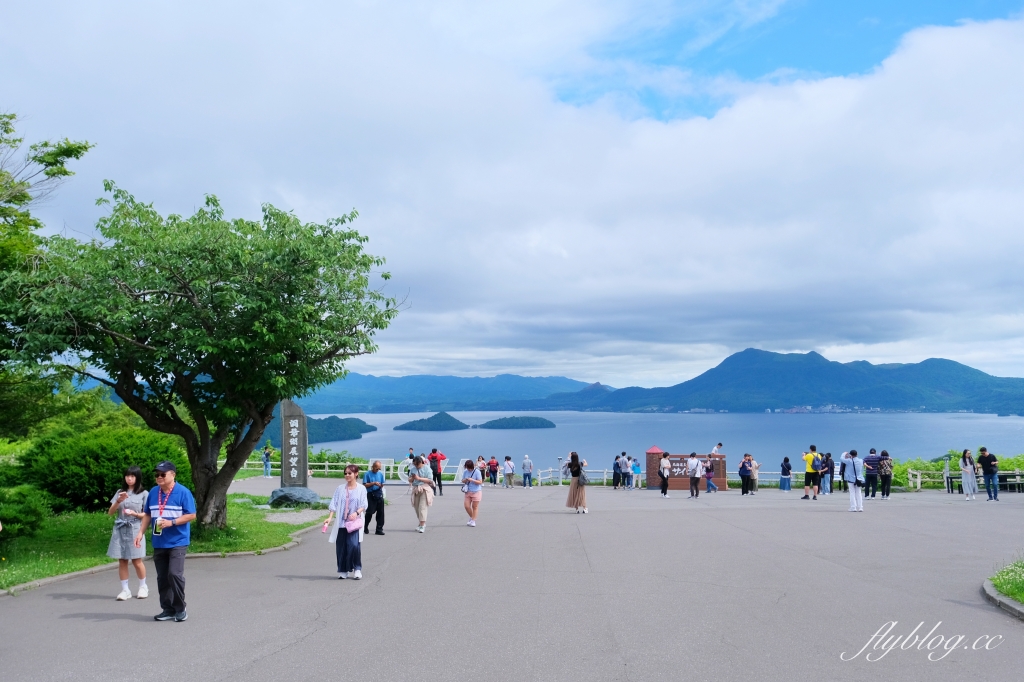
x=210, y=486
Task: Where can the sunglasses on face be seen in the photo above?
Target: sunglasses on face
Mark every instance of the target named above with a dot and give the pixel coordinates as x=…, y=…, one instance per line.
x=160, y=474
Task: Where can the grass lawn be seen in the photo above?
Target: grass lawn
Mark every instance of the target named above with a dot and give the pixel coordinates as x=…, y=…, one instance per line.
x=72, y=542
x=1010, y=581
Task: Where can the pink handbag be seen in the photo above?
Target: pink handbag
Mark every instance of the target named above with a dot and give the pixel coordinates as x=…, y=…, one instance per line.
x=350, y=524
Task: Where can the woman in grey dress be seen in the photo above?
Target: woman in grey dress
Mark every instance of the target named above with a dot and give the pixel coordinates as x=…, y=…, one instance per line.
x=968, y=475
x=128, y=504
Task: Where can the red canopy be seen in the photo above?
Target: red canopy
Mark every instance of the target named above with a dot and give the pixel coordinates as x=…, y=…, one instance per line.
x=655, y=450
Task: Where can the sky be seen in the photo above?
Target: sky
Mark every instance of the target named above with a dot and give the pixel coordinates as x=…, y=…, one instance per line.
x=624, y=192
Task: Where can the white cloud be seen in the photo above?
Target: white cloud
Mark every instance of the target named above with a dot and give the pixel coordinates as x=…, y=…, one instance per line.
x=874, y=216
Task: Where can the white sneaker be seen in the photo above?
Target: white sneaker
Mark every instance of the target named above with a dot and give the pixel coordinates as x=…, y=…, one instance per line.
x=584, y=510
x=357, y=574
x=420, y=529
x=125, y=595
x=343, y=576
x=472, y=524
x=143, y=592
x=665, y=496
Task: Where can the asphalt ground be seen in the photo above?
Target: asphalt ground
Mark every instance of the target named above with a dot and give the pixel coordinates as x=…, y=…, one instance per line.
x=725, y=587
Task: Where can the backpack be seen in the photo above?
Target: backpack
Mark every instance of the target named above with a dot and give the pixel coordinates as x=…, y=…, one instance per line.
x=816, y=463
x=434, y=462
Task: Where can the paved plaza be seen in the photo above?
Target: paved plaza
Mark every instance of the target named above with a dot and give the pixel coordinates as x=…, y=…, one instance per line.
x=722, y=588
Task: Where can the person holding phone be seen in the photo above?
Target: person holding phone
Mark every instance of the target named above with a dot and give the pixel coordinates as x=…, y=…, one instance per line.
x=170, y=508
x=422, y=483
x=128, y=504
x=853, y=474
x=472, y=486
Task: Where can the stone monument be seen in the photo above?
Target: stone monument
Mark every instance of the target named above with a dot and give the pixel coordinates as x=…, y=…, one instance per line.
x=294, y=459
x=294, y=446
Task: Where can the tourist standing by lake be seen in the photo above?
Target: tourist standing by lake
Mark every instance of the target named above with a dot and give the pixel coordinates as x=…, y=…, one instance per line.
x=266, y=461
x=695, y=470
x=745, y=472
x=627, y=471
x=709, y=474
x=968, y=475
x=373, y=481
x=871, y=474
x=853, y=474
x=129, y=503
x=990, y=471
x=616, y=472
x=664, y=469
x=437, y=460
x=786, y=476
x=755, y=467
x=349, y=502
x=472, y=486
x=492, y=470
x=171, y=508
x=715, y=450
x=508, y=473
x=527, y=471
x=885, y=474
x=577, y=488
x=828, y=470
x=812, y=472
x=637, y=474
x=422, y=491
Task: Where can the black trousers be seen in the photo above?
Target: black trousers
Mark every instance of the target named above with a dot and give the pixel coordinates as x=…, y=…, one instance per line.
x=664, y=483
x=870, y=483
x=616, y=479
x=374, y=506
x=437, y=480
x=170, y=577
x=886, y=481
x=746, y=487
x=694, y=486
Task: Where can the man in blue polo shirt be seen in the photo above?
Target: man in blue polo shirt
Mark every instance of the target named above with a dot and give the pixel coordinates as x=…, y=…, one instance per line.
x=171, y=508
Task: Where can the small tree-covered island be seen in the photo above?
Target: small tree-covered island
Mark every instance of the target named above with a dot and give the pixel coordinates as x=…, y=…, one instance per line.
x=442, y=421
x=517, y=423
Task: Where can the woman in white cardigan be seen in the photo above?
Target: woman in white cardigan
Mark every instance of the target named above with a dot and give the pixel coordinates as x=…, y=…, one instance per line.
x=350, y=503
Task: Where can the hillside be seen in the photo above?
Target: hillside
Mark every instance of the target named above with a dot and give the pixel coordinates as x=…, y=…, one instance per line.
x=418, y=393
x=756, y=380
x=442, y=421
x=324, y=430
x=517, y=423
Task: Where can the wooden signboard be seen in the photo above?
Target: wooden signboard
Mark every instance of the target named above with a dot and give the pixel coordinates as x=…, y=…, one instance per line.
x=678, y=478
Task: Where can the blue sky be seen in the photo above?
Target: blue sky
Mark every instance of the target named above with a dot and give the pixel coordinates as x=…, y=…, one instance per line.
x=624, y=191
x=771, y=39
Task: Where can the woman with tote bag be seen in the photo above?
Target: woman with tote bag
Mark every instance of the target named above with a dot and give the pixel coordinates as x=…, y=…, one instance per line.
x=350, y=503
x=578, y=487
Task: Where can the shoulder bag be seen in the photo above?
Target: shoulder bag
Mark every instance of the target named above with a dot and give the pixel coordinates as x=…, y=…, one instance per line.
x=350, y=524
x=583, y=478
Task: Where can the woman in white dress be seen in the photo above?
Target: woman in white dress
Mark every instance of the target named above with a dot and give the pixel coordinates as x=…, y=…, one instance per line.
x=969, y=475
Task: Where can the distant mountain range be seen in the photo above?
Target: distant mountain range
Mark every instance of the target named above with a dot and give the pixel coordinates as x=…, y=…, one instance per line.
x=749, y=381
x=426, y=393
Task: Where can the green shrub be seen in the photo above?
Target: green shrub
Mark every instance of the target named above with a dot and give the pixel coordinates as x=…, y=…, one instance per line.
x=22, y=511
x=86, y=469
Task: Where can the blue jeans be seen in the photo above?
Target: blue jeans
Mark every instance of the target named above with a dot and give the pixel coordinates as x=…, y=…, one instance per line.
x=528, y=479
x=266, y=469
x=785, y=483
x=826, y=484
x=992, y=486
x=711, y=484
x=629, y=480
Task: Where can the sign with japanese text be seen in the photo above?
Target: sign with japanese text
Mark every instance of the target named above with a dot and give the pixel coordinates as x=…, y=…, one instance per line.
x=294, y=446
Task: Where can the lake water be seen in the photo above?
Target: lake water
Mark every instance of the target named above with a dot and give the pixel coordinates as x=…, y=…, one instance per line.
x=599, y=436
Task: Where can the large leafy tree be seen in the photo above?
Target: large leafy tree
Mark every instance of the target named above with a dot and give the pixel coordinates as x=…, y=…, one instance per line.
x=26, y=177
x=201, y=325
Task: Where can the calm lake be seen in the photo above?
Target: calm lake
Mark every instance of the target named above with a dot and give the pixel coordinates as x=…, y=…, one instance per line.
x=599, y=436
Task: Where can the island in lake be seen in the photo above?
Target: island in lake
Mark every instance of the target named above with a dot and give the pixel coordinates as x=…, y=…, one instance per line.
x=442, y=421
x=517, y=423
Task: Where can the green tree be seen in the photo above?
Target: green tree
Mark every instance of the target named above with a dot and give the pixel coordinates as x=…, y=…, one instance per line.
x=26, y=390
x=201, y=325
